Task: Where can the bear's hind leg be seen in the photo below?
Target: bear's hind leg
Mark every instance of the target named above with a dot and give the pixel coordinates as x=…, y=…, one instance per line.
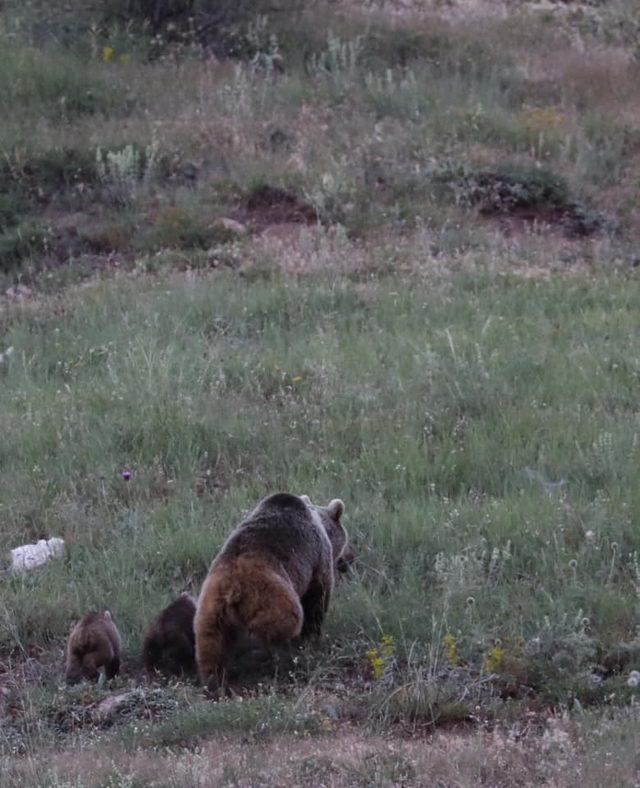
x=212, y=645
x=277, y=618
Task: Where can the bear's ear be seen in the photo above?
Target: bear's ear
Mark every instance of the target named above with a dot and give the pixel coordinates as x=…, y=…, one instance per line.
x=306, y=499
x=336, y=509
x=107, y=615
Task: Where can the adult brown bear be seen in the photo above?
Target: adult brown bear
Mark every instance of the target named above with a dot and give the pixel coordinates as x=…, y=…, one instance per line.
x=272, y=580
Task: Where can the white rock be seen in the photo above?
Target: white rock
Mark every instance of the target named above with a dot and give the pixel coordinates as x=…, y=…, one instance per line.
x=30, y=556
x=111, y=706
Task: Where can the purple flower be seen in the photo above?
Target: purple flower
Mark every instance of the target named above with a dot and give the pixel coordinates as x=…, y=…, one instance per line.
x=126, y=475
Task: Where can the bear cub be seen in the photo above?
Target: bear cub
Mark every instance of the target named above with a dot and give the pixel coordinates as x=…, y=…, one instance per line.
x=272, y=580
x=93, y=646
x=169, y=645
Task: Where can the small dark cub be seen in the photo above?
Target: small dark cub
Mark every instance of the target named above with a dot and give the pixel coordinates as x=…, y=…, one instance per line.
x=93, y=646
x=169, y=645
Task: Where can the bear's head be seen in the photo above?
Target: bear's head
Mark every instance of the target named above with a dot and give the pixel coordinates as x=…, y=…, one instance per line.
x=346, y=560
x=329, y=517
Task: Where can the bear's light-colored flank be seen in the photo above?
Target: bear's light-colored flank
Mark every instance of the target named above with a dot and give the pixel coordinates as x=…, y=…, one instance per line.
x=272, y=579
x=93, y=646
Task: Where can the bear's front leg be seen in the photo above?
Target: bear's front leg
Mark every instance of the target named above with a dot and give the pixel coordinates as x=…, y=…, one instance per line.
x=315, y=603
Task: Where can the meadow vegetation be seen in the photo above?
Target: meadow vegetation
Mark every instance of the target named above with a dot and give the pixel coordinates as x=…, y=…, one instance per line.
x=431, y=312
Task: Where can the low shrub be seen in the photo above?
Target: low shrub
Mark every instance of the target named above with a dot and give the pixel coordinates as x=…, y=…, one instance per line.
x=174, y=227
x=22, y=242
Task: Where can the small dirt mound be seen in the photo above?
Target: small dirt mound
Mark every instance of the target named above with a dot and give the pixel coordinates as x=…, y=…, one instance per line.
x=516, y=196
x=266, y=205
x=534, y=197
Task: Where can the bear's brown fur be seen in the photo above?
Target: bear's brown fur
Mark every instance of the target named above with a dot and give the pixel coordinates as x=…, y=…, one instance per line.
x=272, y=580
x=93, y=645
x=169, y=645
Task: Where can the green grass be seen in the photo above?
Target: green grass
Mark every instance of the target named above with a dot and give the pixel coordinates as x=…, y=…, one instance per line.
x=51, y=84
x=463, y=376
x=424, y=409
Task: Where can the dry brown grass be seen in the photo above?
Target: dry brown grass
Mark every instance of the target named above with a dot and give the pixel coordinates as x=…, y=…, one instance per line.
x=553, y=752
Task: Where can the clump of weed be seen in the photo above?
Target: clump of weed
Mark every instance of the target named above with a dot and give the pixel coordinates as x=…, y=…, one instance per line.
x=24, y=241
x=111, y=233
x=505, y=189
x=156, y=13
x=178, y=227
x=31, y=179
x=122, y=172
x=260, y=715
x=383, y=769
x=11, y=206
x=623, y=656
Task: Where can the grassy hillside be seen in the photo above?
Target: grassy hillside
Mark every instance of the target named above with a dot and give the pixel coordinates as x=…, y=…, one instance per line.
x=429, y=309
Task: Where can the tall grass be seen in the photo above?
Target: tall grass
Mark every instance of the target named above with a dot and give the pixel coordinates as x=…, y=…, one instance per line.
x=51, y=84
x=426, y=410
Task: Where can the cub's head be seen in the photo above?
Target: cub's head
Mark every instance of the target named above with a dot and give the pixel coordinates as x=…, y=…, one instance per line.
x=330, y=516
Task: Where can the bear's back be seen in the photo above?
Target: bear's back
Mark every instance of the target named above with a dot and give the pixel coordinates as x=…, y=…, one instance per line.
x=280, y=527
x=95, y=627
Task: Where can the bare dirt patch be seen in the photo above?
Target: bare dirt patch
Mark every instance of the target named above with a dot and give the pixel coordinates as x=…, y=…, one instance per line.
x=271, y=205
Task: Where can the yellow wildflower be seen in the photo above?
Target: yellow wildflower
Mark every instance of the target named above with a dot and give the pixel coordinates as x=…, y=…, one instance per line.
x=452, y=648
x=376, y=662
x=494, y=660
x=538, y=120
x=108, y=54
x=387, y=646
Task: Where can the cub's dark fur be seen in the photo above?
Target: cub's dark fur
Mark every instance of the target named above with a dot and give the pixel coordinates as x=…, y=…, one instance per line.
x=272, y=580
x=169, y=645
x=93, y=645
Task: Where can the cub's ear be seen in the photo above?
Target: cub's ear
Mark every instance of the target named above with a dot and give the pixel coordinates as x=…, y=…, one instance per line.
x=306, y=499
x=336, y=509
